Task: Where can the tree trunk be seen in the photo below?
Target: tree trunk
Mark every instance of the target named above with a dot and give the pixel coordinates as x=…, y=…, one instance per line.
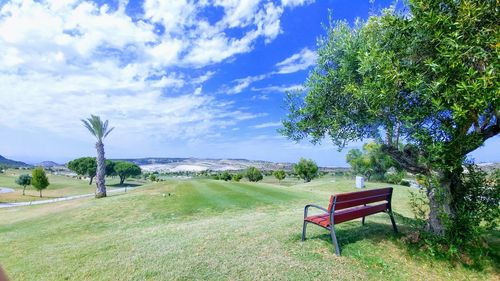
x=122, y=180
x=91, y=179
x=40, y=193
x=24, y=189
x=440, y=194
x=101, y=171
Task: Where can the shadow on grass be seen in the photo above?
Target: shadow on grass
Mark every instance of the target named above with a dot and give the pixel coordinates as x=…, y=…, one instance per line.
x=117, y=185
x=353, y=231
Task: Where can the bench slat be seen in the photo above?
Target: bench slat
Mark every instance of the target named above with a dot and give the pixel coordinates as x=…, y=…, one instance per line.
x=347, y=215
x=362, y=201
x=362, y=194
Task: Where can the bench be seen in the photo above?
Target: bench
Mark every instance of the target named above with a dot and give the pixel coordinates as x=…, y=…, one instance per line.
x=349, y=206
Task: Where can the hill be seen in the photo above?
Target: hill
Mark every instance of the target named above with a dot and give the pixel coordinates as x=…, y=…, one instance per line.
x=197, y=164
x=12, y=163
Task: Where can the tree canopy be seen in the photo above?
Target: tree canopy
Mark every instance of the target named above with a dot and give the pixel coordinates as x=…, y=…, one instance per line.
x=254, y=174
x=24, y=180
x=126, y=169
x=370, y=162
x=306, y=169
x=39, y=179
x=424, y=83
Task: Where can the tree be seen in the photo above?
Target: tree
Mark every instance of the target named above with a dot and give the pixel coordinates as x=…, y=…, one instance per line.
x=87, y=166
x=126, y=169
x=428, y=76
x=306, y=169
x=24, y=180
x=279, y=175
x=153, y=177
x=253, y=174
x=100, y=131
x=39, y=179
x=84, y=166
x=372, y=162
x=237, y=177
x=225, y=176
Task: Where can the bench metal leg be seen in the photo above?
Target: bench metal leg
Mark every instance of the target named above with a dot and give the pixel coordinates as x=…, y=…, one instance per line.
x=363, y=221
x=304, y=231
x=334, y=241
x=393, y=221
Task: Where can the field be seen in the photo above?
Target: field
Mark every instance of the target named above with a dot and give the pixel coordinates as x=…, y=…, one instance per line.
x=60, y=186
x=201, y=229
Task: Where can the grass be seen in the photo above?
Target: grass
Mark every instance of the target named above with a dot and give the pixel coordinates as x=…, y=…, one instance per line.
x=203, y=229
x=60, y=186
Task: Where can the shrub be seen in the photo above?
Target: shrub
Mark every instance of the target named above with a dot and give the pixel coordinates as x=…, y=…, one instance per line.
x=253, y=174
x=306, y=169
x=225, y=176
x=237, y=177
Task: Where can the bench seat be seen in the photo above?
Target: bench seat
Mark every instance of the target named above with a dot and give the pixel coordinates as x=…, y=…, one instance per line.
x=347, y=214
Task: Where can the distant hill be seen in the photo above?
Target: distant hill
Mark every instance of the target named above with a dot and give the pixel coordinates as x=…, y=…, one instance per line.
x=48, y=164
x=12, y=163
x=197, y=165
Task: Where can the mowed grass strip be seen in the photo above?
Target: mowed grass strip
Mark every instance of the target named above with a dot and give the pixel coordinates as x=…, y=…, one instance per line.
x=144, y=235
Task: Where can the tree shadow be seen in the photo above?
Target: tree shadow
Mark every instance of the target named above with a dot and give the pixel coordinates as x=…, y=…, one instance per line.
x=117, y=185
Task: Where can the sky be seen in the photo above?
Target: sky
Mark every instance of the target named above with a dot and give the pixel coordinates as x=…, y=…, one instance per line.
x=179, y=78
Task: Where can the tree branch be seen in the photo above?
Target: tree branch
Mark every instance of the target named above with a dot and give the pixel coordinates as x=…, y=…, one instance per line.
x=406, y=158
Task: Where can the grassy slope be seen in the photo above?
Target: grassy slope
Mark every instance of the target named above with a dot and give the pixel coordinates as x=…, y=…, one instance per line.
x=59, y=186
x=207, y=230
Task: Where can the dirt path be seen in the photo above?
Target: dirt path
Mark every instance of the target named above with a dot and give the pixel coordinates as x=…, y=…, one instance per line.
x=29, y=203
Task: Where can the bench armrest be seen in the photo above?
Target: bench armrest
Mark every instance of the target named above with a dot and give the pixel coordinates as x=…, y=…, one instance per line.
x=306, y=209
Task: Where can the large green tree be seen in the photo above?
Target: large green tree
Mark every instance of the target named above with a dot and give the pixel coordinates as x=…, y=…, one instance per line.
x=87, y=166
x=100, y=131
x=126, y=169
x=39, y=179
x=306, y=169
x=427, y=78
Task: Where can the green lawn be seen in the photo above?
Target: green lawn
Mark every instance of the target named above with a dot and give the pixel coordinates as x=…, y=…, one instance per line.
x=210, y=230
x=60, y=186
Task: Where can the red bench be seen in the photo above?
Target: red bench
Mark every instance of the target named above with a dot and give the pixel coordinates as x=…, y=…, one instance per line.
x=349, y=206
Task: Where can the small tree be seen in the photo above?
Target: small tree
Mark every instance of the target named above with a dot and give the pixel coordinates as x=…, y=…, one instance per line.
x=237, y=177
x=253, y=174
x=225, y=176
x=152, y=177
x=372, y=162
x=306, y=169
x=24, y=180
x=126, y=169
x=279, y=175
x=39, y=179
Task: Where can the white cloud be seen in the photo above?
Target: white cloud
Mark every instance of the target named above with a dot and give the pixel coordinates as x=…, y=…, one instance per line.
x=295, y=3
x=297, y=62
x=267, y=125
x=279, y=89
x=63, y=60
x=243, y=83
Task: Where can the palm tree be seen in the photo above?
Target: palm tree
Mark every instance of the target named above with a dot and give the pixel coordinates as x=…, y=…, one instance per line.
x=100, y=131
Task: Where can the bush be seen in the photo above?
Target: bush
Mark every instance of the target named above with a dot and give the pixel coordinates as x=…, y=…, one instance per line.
x=225, y=176
x=306, y=169
x=394, y=177
x=253, y=174
x=279, y=175
x=405, y=183
x=237, y=177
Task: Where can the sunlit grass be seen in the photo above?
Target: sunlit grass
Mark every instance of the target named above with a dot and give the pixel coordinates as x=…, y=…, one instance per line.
x=209, y=230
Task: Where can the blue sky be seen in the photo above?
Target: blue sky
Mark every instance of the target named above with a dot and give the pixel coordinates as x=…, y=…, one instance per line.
x=176, y=78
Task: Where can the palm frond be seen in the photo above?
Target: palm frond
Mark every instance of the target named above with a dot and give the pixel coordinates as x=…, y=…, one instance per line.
x=96, y=127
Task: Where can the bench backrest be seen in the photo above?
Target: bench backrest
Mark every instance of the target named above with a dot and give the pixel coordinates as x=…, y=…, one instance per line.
x=353, y=199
